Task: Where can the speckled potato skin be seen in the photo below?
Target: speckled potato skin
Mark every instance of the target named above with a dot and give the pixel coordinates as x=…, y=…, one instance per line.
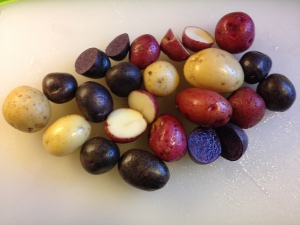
x=247, y=106
x=161, y=78
x=167, y=138
x=214, y=69
x=66, y=135
x=203, y=107
x=27, y=109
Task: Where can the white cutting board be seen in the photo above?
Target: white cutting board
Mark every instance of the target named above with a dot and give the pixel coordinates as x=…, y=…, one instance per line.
x=39, y=37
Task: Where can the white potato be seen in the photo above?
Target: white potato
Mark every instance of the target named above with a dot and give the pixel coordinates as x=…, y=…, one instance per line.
x=27, y=109
x=161, y=78
x=66, y=135
x=214, y=69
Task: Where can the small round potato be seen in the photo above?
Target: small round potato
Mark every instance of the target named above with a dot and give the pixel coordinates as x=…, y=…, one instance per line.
x=214, y=69
x=27, y=109
x=161, y=78
x=66, y=135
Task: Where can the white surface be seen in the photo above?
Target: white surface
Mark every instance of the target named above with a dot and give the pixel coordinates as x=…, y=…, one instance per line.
x=39, y=37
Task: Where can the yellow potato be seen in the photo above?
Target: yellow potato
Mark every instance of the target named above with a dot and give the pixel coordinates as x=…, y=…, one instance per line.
x=66, y=135
x=27, y=109
x=214, y=69
x=161, y=78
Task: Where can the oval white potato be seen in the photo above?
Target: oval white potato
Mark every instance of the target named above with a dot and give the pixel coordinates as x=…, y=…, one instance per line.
x=214, y=69
x=161, y=78
x=27, y=109
x=66, y=135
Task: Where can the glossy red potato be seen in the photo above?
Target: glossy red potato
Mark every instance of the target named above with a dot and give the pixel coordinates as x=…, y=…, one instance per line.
x=144, y=50
x=248, y=108
x=167, y=138
x=235, y=32
x=204, y=107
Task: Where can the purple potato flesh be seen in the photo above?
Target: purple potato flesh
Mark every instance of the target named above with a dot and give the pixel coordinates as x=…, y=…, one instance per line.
x=234, y=141
x=204, y=145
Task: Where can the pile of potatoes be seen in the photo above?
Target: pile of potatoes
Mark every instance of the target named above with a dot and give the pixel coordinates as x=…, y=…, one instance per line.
x=217, y=102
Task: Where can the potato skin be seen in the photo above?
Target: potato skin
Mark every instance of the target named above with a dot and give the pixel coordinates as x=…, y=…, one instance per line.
x=235, y=32
x=204, y=107
x=27, y=109
x=66, y=135
x=143, y=170
x=248, y=108
x=144, y=50
x=167, y=138
x=161, y=78
x=214, y=69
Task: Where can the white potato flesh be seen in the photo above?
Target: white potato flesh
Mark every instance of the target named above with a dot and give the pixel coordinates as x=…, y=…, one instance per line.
x=161, y=78
x=27, y=109
x=66, y=135
x=145, y=103
x=199, y=34
x=125, y=123
x=214, y=69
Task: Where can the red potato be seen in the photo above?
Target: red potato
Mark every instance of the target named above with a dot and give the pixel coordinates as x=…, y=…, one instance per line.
x=235, y=32
x=248, y=108
x=173, y=48
x=124, y=125
x=204, y=107
x=167, y=138
x=144, y=102
x=144, y=50
x=196, y=39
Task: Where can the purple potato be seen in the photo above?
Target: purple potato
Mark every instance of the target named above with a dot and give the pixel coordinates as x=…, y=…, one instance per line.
x=123, y=78
x=94, y=101
x=92, y=63
x=99, y=155
x=204, y=145
x=277, y=91
x=118, y=48
x=256, y=66
x=143, y=170
x=234, y=141
x=59, y=87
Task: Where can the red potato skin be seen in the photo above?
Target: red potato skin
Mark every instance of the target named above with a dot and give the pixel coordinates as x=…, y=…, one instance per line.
x=248, y=107
x=235, y=32
x=144, y=50
x=203, y=107
x=167, y=138
x=173, y=48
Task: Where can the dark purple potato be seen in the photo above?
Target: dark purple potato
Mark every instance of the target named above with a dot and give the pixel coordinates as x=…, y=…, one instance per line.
x=92, y=63
x=59, y=87
x=118, y=47
x=204, y=145
x=256, y=66
x=99, y=155
x=94, y=101
x=277, y=91
x=124, y=78
x=143, y=170
x=234, y=141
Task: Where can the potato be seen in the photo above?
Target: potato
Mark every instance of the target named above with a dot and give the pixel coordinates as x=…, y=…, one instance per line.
x=235, y=32
x=27, y=109
x=167, y=138
x=66, y=135
x=214, y=69
x=161, y=78
x=144, y=50
x=203, y=107
x=248, y=108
